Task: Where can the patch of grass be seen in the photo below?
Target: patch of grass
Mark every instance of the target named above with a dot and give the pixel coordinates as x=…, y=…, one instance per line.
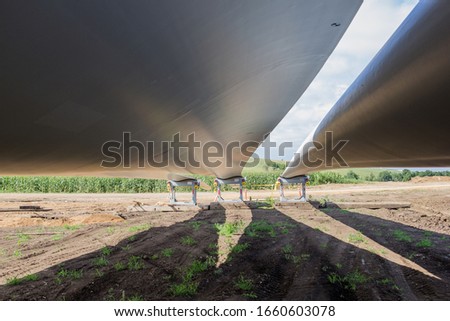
x=244, y=284
x=334, y=278
x=27, y=278
x=126, y=247
x=100, y=261
x=139, y=228
x=22, y=238
x=349, y=281
x=135, y=263
x=297, y=259
x=72, y=227
x=135, y=297
x=402, y=236
x=356, y=238
x=110, y=295
x=425, y=242
x=213, y=247
x=250, y=295
x=110, y=230
x=238, y=248
x=13, y=281
x=57, y=237
x=427, y=233
x=188, y=240
x=70, y=274
x=168, y=252
x=338, y=266
x=355, y=278
x=229, y=229
x=389, y=283
x=287, y=249
x=17, y=253
x=386, y=281
x=323, y=203
x=99, y=273
x=132, y=238
x=106, y=251
x=196, y=225
x=258, y=228
x=154, y=257
x=270, y=203
x=196, y=267
x=119, y=266
x=185, y=289
x=210, y=261
x=188, y=287
x=284, y=225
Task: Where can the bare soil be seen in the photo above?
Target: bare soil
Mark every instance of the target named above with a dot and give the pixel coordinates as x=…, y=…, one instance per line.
x=89, y=247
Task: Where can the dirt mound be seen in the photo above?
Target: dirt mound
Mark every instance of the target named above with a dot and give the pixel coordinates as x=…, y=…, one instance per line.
x=430, y=179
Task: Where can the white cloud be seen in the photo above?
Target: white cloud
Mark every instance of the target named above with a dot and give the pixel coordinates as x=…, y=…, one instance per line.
x=375, y=22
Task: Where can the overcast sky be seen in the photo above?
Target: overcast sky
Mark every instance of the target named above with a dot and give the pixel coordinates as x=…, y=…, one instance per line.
x=372, y=26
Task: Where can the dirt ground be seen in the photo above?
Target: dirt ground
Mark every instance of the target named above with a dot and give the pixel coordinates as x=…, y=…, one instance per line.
x=89, y=247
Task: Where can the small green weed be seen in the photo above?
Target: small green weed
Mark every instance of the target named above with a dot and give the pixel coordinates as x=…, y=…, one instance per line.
x=287, y=249
x=141, y=227
x=349, y=281
x=135, y=297
x=106, y=251
x=126, y=247
x=270, y=203
x=402, y=236
x=100, y=261
x=99, y=273
x=196, y=225
x=27, y=278
x=229, y=229
x=22, y=238
x=244, y=284
x=71, y=227
x=238, y=248
x=257, y=228
x=168, y=252
x=57, y=237
x=427, y=233
x=188, y=240
x=425, y=242
x=135, y=263
x=250, y=295
x=119, y=266
x=71, y=274
x=185, y=289
x=356, y=238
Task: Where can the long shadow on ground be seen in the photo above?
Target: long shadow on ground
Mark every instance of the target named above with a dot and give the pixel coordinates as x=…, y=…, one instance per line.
x=285, y=259
x=429, y=249
x=278, y=257
x=151, y=265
